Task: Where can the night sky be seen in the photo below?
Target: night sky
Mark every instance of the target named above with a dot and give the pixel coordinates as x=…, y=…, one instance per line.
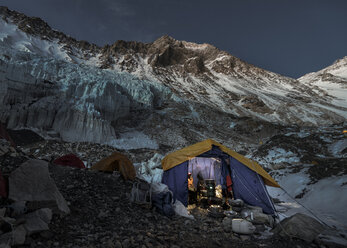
x=292, y=37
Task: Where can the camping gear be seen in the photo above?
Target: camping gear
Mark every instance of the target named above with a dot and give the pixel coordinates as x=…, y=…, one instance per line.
x=236, y=202
x=219, y=192
x=229, y=184
x=248, y=177
x=181, y=210
x=231, y=213
x=163, y=203
x=70, y=160
x=117, y=161
x=203, y=193
x=158, y=188
x=216, y=212
x=210, y=187
x=237, y=209
x=246, y=212
x=242, y=226
x=141, y=193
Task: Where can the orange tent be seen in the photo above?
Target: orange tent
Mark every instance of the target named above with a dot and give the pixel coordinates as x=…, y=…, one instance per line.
x=117, y=161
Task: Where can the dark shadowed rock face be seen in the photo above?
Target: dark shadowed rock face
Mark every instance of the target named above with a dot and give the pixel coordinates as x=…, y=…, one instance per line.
x=255, y=104
x=165, y=52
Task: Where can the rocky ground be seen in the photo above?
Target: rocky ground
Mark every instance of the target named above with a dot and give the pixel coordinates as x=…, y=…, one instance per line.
x=103, y=216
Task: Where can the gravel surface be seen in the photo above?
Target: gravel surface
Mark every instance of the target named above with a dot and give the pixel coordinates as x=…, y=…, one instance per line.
x=103, y=216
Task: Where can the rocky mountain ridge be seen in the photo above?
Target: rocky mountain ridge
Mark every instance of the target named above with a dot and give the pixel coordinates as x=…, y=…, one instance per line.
x=37, y=27
x=129, y=92
x=205, y=74
x=199, y=73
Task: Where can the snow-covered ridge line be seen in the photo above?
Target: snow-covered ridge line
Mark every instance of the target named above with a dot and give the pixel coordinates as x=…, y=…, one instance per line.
x=330, y=82
x=198, y=73
x=36, y=27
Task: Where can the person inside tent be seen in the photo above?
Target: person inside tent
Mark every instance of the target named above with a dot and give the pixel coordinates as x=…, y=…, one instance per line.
x=192, y=193
x=227, y=190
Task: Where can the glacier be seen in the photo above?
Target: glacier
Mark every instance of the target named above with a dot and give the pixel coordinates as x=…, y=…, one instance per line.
x=80, y=102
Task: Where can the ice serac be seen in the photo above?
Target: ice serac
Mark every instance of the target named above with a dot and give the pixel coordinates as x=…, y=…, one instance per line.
x=80, y=102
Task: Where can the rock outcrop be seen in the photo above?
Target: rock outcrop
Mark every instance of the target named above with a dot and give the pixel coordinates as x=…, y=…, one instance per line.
x=300, y=226
x=31, y=182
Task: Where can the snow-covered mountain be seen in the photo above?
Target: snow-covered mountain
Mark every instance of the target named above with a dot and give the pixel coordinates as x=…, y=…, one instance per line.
x=204, y=74
x=50, y=81
x=168, y=94
x=331, y=83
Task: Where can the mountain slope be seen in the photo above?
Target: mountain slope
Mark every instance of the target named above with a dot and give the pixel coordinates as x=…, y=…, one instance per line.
x=50, y=81
x=331, y=83
x=204, y=74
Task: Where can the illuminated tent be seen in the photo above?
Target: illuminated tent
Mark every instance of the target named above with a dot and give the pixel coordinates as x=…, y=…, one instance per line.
x=248, y=177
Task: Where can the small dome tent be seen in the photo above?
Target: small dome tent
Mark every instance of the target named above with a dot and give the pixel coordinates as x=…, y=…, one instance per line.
x=70, y=160
x=249, y=178
x=117, y=161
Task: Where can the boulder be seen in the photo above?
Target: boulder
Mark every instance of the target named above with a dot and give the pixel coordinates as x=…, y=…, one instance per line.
x=299, y=226
x=15, y=237
x=31, y=182
x=37, y=221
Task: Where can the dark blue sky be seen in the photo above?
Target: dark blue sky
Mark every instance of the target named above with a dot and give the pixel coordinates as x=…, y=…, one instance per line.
x=291, y=37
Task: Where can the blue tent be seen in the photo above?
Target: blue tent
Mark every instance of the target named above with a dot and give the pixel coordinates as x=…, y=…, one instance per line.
x=248, y=177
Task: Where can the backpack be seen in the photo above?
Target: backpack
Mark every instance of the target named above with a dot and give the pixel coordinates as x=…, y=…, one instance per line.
x=141, y=193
